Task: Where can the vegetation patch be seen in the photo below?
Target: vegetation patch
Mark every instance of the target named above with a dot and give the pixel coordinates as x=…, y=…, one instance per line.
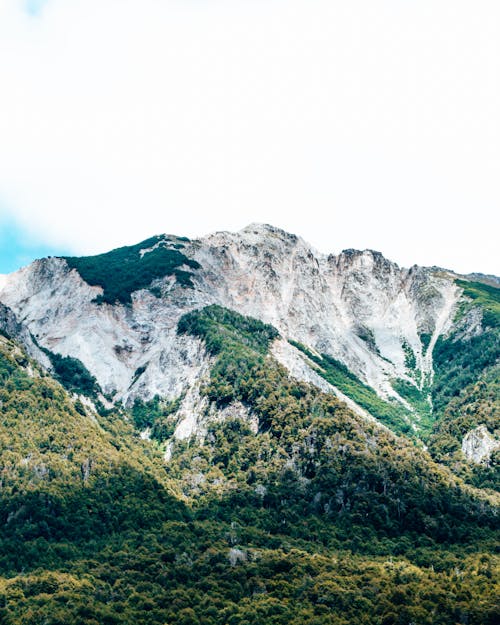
x=486, y=296
x=392, y=414
x=466, y=391
x=458, y=363
x=131, y=268
x=476, y=404
x=410, y=362
x=419, y=400
x=223, y=330
x=425, y=339
x=311, y=451
x=73, y=374
x=157, y=415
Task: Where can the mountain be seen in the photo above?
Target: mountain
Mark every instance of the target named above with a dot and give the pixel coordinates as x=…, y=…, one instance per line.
x=238, y=429
x=117, y=313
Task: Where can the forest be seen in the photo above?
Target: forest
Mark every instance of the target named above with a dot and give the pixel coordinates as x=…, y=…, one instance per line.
x=318, y=518
x=127, y=269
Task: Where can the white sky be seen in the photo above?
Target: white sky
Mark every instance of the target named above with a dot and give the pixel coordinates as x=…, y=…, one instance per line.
x=354, y=123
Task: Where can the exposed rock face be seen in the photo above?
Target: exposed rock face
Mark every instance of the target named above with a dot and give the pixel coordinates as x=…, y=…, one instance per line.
x=485, y=278
x=11, y=327
x=358, y=307
x=301, y=368
x=132, y=352
x=478, y=445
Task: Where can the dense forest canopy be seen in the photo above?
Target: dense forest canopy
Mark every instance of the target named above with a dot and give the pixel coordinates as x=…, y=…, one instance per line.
x=128, y=269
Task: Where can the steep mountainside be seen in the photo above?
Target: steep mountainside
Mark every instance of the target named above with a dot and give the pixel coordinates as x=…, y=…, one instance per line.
x=239, y=430
x=376, y=325
x=358, y=326
x=287, y=508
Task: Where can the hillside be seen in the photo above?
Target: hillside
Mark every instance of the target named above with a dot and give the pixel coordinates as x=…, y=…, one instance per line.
x=168, y=457
x=380, y=332
x=314, y=518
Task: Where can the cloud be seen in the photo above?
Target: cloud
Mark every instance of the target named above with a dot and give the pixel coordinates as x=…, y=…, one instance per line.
x=355, y=124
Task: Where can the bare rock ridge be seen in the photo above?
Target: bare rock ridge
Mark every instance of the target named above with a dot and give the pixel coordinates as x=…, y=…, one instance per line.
x=11, y=328
x=478, y=445
x=357, y=307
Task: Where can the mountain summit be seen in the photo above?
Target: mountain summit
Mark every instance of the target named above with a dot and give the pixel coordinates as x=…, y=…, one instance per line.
x=117, y=313
x=239, y=429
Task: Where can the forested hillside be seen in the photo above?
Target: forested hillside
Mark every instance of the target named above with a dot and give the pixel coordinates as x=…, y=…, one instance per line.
x=466, y=389
x=239, y=430
x=316, y=516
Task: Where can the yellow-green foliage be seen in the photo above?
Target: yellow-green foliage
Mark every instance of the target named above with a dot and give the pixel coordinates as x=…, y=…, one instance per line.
x=477, y=404
x=390, y=413
x=43, y=436
x=278, y=585
x=319, y=519
x=62, y=474
x=466, y=390
x=312, y=452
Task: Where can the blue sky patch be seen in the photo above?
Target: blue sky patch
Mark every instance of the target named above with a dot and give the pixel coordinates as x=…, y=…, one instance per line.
x=18, y=248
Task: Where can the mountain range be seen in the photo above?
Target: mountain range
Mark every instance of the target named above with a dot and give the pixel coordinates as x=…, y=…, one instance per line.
x=240, y=429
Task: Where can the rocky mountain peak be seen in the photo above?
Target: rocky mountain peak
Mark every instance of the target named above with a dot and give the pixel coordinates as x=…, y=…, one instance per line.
x=118, y=312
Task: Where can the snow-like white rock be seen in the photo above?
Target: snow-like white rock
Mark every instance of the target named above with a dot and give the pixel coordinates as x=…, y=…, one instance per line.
x=357, y=307
x=478, y=445
x=10, y=326
x=302, y=369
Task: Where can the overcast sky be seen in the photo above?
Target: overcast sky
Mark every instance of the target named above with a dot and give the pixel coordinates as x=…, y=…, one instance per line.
x=354, y=123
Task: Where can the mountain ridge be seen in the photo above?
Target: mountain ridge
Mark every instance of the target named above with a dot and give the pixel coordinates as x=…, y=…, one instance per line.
x=218, y=448
x=357, y=307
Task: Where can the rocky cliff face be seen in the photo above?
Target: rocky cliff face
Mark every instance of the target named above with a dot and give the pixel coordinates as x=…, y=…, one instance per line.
x=358, y=306
x=478, y=445
x=380, y=320
x=11, y=328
